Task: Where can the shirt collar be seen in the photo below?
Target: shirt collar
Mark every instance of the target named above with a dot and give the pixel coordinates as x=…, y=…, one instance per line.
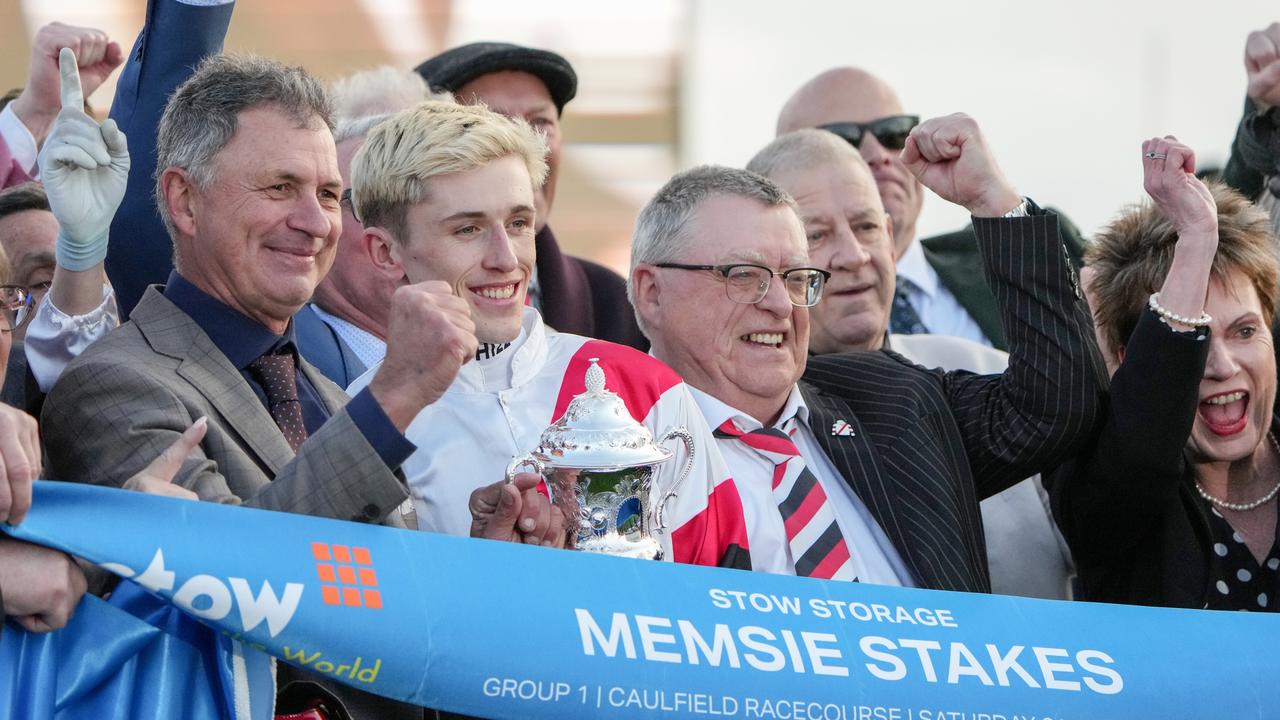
x=716, y=411
x=239, y=337
x=914, y=266
x=513, y=367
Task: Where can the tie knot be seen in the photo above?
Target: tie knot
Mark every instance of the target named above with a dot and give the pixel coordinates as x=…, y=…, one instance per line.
x=770, y=441
x=276, y=375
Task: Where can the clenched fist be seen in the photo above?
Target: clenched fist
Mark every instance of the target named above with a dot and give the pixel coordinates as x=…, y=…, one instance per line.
x=430, y=335
x=949, y=156
x=98, y=57
x=1262, y=64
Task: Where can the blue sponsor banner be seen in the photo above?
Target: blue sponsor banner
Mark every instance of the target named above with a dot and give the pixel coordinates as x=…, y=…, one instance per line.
x=507, y=631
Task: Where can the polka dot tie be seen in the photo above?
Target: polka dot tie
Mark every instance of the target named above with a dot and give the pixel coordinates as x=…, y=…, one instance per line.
x=276, y=375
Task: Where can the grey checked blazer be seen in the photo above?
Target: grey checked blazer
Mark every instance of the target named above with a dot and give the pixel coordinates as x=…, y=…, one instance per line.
x=928, y=444
x=131, y=394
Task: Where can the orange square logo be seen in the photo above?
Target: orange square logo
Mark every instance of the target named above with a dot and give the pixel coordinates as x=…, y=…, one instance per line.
x=347, y=576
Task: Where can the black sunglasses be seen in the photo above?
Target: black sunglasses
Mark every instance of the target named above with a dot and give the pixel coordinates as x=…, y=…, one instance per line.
x=891, y=132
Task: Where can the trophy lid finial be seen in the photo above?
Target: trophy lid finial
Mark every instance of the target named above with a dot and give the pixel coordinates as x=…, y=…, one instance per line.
x=595, y=376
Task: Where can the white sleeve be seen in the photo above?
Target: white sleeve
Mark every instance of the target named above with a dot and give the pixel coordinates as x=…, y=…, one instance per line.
x=22, y=144
x=54, y=338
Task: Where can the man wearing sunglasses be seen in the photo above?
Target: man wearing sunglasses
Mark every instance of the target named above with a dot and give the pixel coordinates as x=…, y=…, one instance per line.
x=939, y=287
x=861, y=465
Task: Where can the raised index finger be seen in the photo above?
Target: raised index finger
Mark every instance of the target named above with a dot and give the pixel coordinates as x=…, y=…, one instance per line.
x=72, y=95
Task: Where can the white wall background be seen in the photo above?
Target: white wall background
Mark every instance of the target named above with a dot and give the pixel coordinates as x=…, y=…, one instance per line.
x=1066, y=92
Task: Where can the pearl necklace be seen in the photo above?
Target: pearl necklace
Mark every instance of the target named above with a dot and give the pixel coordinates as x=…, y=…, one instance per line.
x=1241, y=507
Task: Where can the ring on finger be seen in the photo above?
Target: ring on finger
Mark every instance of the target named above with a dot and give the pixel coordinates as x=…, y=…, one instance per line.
x=1156, y=155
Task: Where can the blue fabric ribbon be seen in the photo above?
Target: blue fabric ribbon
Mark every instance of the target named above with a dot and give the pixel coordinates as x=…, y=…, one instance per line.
x=509, y=631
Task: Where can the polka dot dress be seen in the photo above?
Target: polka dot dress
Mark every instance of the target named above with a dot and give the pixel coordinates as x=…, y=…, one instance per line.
x=1237, y=581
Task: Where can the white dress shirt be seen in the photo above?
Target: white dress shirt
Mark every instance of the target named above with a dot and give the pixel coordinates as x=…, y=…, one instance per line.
x=938, y=309
x=368, y=347
x=875, y=559
x=22, y=144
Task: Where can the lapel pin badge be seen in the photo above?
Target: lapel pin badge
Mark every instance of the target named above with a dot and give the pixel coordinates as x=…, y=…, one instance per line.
x=842, y=429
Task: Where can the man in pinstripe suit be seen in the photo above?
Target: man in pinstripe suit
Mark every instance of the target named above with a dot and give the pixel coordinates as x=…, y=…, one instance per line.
x=898, y=456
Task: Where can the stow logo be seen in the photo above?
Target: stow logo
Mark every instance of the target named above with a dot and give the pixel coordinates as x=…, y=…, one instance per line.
x=210, y=598
x=347, y=576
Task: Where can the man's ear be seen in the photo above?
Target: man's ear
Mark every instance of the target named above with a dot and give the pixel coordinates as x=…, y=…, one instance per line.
x=179, y=199
x=647, y=294
x=384, y=252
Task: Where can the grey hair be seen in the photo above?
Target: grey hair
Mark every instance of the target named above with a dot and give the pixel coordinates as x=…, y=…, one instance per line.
x=381, y=91
x=803, y=150
x=662, y=226
x=201, y=115
x=357, y=127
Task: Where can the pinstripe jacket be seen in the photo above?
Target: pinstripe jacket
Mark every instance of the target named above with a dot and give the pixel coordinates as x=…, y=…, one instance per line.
x=928, y=444
x=130, y=395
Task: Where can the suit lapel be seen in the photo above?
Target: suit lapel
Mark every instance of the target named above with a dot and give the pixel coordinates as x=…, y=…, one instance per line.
x=334, y=397
x=858, y=462
x=171, y=332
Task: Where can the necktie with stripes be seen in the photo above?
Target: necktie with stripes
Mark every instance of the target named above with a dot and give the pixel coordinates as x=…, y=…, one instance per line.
x=817, y=546
x=276, y=375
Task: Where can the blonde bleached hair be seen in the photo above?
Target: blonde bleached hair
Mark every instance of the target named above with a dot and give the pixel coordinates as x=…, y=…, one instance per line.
x=391, y=171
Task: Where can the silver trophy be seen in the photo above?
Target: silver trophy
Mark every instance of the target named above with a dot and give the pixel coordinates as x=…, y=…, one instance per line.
x=609, y=460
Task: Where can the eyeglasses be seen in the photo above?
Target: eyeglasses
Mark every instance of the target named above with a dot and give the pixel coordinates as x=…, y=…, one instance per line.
x=748, y=284
x=17, y=305
x=890, y=131
x=345, y=199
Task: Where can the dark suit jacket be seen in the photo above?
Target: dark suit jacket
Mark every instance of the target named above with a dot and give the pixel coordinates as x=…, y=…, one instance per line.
x=1127, y=505
x=954, y=256
x=175, y=38
x=928, y=444
x=322, y=347
x=583, y=298
x=1255, y=151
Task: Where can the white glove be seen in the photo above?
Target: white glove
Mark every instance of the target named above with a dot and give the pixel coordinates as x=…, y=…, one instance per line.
x=84, y=168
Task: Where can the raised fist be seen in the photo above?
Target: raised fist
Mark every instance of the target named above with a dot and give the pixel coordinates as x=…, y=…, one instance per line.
x=1168, y=176
x=1262, y=64
x=949, y=156
x=39, y=102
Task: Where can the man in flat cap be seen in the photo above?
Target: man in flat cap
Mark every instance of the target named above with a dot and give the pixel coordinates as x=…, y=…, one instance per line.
x=573, y=295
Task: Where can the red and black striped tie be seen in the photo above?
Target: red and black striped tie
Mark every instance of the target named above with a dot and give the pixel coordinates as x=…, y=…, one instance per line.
x=817, y=546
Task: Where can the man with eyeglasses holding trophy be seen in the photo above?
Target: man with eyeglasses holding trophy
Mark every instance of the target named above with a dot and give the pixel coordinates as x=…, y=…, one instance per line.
x=939, y=287
x=863, y=466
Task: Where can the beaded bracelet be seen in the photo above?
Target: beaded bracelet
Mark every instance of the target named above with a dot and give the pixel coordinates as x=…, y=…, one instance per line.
x=1203, y=321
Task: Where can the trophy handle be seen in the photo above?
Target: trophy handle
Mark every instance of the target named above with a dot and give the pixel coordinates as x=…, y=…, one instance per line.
x=540, y=467
x=658, y=509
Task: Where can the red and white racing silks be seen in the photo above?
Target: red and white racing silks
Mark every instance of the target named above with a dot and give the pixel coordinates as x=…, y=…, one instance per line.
x=498, y=407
